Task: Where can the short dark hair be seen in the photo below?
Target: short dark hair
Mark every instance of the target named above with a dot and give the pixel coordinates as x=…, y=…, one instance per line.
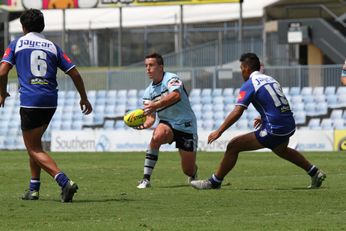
x=32, y=20
x=156, y=56
x=251, y=60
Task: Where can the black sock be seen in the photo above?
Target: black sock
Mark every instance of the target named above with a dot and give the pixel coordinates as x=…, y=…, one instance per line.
x=312, y=171
x=147, y=177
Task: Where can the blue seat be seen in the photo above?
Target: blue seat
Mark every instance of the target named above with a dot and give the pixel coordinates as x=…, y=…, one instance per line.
x=206, y=92
x=318, y=91
x=218, y=108
x=321, y=108
x=341, y=90
x=329, y=90
x=208, y=124
x=220, y=115
x=195, y=92
x=326, y=124
x=310, y=109
x=320, y=98
x=194, y=99
x=336, y=114
x=227, y=92
x=294, y=91
x=207, y=108
x=341, y=100
x=296, y=99
x=101, y=94
x=314, y=124
x=122, y=94
x=206, y=100
x=197, y=108
x=217, y=92
x=207, y=115
x=308, y=99
x=132, y=93
x=229, y=99
x=297, y=106
x=332, y=101
x=300, y=117
x=217, y=100
x=306, y=91
x=111, y=93
x=339, y=124
x=242, y=124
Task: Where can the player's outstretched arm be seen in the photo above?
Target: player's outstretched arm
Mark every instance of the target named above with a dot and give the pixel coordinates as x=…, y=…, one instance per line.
x=79, y=84
x=228, y=122
x=4, y=69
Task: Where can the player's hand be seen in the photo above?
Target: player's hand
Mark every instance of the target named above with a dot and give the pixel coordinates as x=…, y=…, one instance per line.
x=3, y=98
x=140, y=127
x=149, y=107
x=214, y=136
x=85, y=106
x=257, y=122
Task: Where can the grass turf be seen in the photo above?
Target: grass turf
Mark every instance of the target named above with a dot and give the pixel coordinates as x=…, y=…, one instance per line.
x=262, y=192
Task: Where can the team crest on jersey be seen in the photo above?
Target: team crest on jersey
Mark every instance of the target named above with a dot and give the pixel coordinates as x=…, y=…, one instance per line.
x=174, y=82
x=7, y=52
x=67, y=58
x=241, y=95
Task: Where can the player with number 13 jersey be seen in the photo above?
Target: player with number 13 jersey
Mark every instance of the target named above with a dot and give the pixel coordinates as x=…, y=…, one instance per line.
x=38, y=85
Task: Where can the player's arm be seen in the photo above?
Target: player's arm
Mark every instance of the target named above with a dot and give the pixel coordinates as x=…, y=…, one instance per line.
x=232, y=117
x=4, y=69
x=79, y=84
x=165, y=101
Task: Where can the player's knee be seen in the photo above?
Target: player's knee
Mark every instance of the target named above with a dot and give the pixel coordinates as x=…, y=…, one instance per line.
x=156, y=141
x=231, y=145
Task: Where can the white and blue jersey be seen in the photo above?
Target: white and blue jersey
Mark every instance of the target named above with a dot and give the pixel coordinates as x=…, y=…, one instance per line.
x=266, y=95
x=36, y=60
x=179, y=115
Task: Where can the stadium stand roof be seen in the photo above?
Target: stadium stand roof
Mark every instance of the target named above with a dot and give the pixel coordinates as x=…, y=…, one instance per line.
x=97, y=18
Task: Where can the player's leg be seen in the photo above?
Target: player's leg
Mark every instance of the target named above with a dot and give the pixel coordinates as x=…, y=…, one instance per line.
x=187, y=144
x=295, y=157
x=162, y=134
x=188, y=164
x=34, y=123
x=39, y=158
x=246, y=142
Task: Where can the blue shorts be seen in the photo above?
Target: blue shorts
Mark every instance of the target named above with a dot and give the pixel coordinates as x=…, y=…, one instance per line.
x=269, y=140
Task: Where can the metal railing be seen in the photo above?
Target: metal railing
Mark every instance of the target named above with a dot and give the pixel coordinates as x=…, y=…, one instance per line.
x=205, y=77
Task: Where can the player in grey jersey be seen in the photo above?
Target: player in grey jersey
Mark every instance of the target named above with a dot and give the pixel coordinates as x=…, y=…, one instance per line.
x=167, y=98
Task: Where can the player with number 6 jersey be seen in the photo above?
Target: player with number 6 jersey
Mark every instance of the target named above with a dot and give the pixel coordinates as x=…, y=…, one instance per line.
x=38, y=85
x=37, y=60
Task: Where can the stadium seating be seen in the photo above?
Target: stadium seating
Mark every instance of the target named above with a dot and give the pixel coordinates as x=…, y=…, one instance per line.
x=313, y=108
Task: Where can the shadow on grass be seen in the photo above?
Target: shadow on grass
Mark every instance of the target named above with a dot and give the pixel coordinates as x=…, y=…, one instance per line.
x=176, y=186
x=91, y=200
x=228, y=186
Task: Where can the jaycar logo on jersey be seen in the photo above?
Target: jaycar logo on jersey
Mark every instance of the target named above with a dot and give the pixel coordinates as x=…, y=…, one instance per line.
x=241, y=95
x=67, y=58
x=7, y=53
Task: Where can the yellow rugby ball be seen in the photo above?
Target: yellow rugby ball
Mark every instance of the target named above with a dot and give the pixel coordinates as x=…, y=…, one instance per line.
x=134, y=118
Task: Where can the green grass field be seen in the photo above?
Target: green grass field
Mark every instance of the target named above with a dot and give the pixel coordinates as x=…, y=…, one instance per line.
x=263, y=192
